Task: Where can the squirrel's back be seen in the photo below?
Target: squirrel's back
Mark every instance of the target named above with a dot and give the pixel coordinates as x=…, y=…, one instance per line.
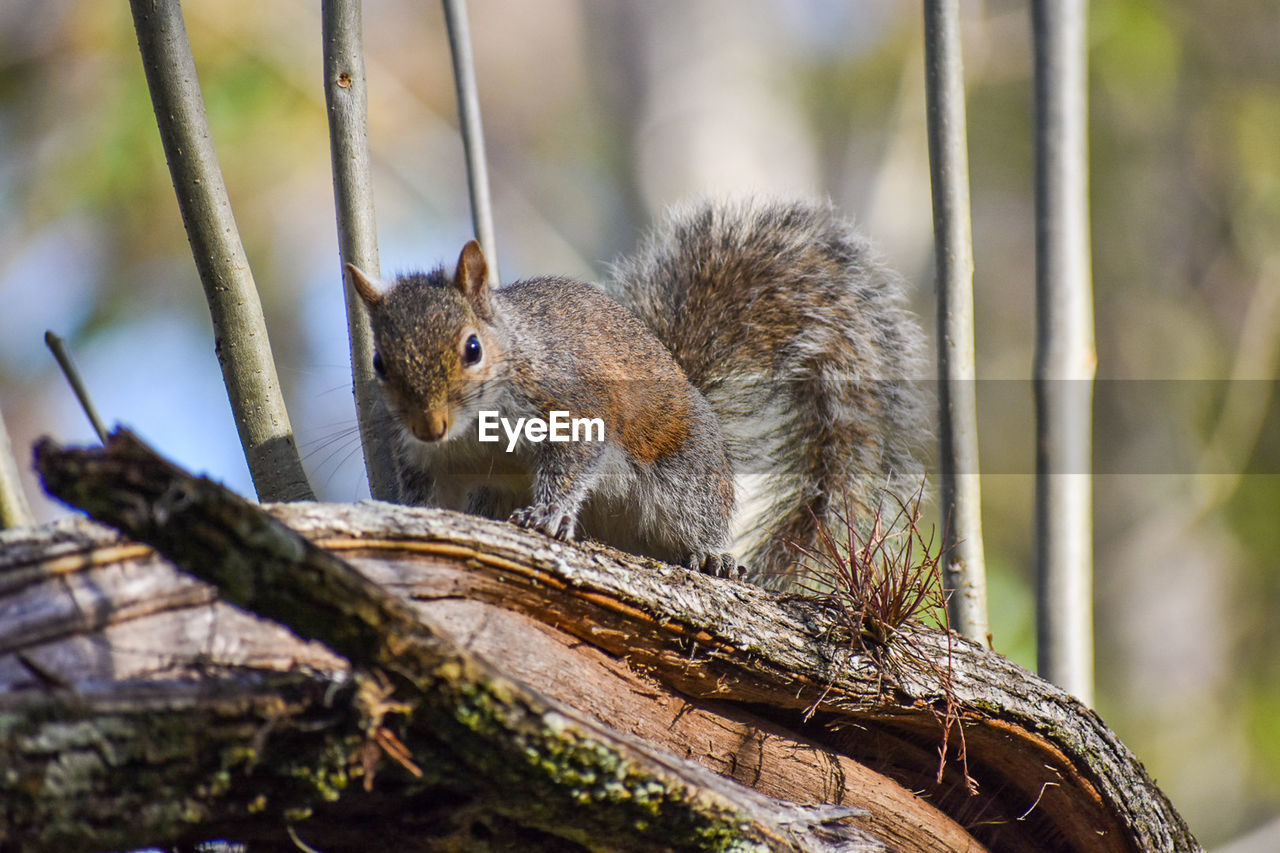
x=781, y=313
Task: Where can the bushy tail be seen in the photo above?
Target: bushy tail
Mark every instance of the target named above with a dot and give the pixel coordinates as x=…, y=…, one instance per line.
x=798, y=335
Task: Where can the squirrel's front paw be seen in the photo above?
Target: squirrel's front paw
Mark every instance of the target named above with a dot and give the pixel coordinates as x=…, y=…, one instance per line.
x=551, y=519
x=717, y=565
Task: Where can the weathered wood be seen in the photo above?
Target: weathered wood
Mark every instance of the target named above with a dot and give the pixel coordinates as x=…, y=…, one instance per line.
x=712, y=672
x=425, y=701
x=1051, y=775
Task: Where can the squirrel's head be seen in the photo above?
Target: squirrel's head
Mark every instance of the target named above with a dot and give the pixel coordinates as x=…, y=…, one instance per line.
x=434, y=344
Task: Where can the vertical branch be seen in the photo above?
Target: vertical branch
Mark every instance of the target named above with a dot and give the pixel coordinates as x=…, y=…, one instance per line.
x=346, y=96
x=240, y=333
x=961, y=496
x=14, y=509
x=1065, y=359
x=464, y=78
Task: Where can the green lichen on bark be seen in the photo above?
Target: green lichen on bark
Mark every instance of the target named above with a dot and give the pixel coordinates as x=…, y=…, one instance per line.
x=75, y=766
x=491, y=748
x=523, y=747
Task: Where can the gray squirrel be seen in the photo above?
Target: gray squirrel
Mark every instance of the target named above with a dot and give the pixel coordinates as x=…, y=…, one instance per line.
x=753, y=355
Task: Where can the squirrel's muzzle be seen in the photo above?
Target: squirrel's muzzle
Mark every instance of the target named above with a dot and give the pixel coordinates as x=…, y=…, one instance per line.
x=429, y=426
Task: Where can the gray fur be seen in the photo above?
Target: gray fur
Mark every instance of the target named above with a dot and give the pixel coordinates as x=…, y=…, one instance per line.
x=782, y=343
x=781, y=313
x=559, y=344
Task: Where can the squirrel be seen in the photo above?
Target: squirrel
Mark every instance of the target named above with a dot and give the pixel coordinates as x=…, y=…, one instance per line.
x=757, y=347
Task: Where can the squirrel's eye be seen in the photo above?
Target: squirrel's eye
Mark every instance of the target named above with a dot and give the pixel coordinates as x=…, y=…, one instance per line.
x=378, y=367
x=471, y=351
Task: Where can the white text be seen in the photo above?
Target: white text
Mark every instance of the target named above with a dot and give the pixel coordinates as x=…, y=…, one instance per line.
x=558, y=427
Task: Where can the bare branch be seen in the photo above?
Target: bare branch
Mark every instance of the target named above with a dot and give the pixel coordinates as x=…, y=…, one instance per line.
x=346, y=95
x=240, y=333
x=961, y=494
x=464, y=78
x=14, y=509
x=58, y=347
x=1065, y=359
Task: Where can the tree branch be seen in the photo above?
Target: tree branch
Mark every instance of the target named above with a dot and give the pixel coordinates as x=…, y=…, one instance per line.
x=240, y=333
x=464, y=78
x=961, y=494
x=346, y=95
x=59, y=349
x=14, y=509
x=1065, y=359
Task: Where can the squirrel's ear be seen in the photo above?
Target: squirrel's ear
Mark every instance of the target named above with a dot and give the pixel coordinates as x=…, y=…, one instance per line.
x=370, y=289
x=472, y=278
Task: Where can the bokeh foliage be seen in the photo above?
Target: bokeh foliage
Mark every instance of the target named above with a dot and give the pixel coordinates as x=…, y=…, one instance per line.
x=599, y=112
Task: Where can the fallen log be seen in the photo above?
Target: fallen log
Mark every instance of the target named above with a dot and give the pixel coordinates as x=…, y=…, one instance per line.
x=454, y=679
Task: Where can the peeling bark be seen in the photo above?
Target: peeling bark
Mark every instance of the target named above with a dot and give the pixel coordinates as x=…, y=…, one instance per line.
x=551, y=695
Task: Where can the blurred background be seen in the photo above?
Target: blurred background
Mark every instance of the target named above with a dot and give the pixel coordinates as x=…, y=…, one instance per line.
x=601, y=112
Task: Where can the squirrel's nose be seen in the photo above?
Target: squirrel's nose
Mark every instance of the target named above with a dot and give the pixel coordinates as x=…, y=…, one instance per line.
x=432, y=426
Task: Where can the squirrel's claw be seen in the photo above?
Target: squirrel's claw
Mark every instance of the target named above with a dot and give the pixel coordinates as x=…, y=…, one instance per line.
x=718, y=566
x=551, y=519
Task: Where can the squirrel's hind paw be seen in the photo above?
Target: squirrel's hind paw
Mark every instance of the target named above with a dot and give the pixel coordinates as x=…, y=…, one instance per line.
x=717, y=565
x=551, y=519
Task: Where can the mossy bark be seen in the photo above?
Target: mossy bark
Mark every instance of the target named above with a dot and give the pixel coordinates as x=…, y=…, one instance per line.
x=548, y=694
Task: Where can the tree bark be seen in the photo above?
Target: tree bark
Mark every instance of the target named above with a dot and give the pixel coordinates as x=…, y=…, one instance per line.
x=485, y=685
